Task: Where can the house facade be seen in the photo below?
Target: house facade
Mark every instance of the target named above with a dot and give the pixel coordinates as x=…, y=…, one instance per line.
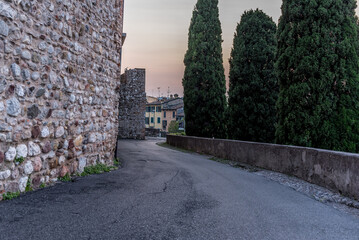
x=153, y=115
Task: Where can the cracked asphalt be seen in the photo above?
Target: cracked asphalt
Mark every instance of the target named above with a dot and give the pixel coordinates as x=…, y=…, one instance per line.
x=167, y=194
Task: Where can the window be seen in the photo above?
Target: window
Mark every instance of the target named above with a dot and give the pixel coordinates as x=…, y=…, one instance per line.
x=164, y=124
x=147, y=120
x=153, y=109
x=164, y=114
x=158, y=120
x=148, y=109
x=173, y=114
x=152, y=120
x=158, y=109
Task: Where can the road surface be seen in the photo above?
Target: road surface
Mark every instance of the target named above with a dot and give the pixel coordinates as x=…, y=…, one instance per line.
x=167, y=194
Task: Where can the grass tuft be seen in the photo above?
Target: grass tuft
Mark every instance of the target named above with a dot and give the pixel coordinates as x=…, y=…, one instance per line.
x=10, y=195
x=19, y=160
x=66, y=178
x=97, y=169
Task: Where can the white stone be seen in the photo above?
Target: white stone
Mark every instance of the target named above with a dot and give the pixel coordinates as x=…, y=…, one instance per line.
x=62, y=160
x=16, y=70
x=51, y=8
x=13, y=107
x=42, y=45
x=28, y=168
x=20, y=91
x=26, y=39
x=21, y=151
x=2, y=107
x=82, y=164
x=92, y=138
x=26, y=55
x=35, y=76
x=5, y=174
x=2, y=137
x=10, y=154
x=22, y=184
x=7, y=11
x=45, y=132
x=60, y=131
x=4, y=28
x=34, y=149
x=72, y=98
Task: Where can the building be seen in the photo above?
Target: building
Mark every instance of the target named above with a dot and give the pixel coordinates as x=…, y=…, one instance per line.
x=169, y=112
x=180, y=119
x=161, y=113
x=153, y=115
x=151, y=99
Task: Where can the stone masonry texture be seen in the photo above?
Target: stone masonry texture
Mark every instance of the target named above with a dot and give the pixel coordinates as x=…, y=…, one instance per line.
x=132, y=104
x=59, y=81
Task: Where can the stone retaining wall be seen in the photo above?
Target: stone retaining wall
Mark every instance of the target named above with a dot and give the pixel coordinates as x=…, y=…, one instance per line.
x=132, y=104
x=59, y=76
x=337, y=171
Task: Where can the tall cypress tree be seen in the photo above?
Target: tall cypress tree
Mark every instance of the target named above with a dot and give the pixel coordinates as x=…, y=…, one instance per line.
x=253, y=87
x=317, y=69
x=204, y=82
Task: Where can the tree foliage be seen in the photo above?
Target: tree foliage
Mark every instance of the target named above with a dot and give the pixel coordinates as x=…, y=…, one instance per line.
x=253, y=87
x=173, y=127
x=317, y=69
x=204, y=81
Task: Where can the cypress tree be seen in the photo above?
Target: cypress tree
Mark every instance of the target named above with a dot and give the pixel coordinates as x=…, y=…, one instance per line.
x=253, y=87
x=317, y=70
x=204, y=81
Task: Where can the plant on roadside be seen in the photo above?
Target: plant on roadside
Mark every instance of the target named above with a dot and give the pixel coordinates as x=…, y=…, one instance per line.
x=66, y=178
x=28, y=186
x=10, y=195
x=97, y=169
x=117, y=162
x=42, y=185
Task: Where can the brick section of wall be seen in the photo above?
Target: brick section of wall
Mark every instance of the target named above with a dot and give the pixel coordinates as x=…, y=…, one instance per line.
x=132, y=104
x=337, y=171
x=59, y=71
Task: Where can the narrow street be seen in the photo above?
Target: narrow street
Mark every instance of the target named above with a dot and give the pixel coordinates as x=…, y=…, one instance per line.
x=162, y=193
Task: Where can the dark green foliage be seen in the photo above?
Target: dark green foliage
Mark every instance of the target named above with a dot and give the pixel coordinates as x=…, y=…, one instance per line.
x=19, y=160
x=318, y=75
x=204, y=82
x=253, y=86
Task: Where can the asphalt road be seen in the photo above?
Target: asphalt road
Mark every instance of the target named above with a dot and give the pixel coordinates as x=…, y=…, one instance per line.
x=166, y=194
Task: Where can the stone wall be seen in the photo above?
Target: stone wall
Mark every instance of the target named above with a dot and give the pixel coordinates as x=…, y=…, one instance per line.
x=132, y=104
x=60, y=64
x=337, y=171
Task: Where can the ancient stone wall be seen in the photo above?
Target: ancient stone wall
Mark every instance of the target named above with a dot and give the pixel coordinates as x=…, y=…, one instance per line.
x=132, y=104
x=59, y=68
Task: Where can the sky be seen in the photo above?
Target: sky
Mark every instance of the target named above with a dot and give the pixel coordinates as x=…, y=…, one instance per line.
x=157, y=34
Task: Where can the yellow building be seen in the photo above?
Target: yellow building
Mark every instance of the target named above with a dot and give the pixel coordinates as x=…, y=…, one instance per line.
x=153, y=115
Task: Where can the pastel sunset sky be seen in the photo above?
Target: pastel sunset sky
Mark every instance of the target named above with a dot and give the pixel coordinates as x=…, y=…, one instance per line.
x=157, y=37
